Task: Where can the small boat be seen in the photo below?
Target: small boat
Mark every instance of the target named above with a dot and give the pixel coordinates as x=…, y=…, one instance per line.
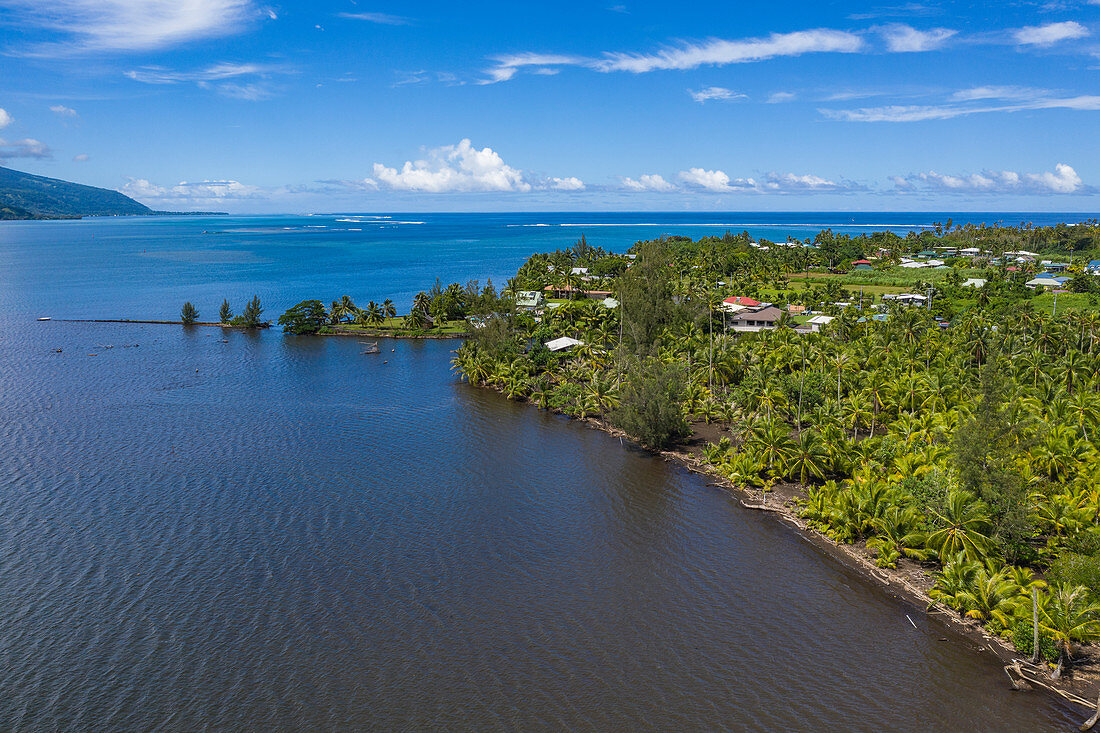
x=44, y=318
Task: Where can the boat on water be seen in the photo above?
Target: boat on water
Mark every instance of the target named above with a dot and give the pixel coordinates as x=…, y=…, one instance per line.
x=44, y=318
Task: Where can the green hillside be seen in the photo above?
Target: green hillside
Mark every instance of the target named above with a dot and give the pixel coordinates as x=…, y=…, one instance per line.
x=26, y=196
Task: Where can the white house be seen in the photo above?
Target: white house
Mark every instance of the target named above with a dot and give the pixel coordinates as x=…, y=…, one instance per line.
x=974, y=282
x=817, y=322
x=1047, y=281
x=756, y=320
x=563, y=343
x=529, y=299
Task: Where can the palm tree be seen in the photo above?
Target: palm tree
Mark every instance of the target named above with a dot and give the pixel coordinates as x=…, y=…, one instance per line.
x=807, y=457
x=953, y=582
x=992, y=597
x=897, y=533
x=771, y=442
x=389, y=310
x=374, y=314
x=347, y=306
x=965, y=527
x=1069, y=616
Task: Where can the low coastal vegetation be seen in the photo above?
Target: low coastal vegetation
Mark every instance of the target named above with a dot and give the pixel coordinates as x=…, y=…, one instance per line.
x=441, y=311
x=943, y=417
x=250, y=317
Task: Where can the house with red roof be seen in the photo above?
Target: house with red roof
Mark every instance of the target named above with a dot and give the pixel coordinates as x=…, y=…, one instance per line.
x=739, y=303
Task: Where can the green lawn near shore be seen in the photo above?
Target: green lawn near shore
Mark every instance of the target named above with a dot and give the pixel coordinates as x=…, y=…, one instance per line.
x=396, y=327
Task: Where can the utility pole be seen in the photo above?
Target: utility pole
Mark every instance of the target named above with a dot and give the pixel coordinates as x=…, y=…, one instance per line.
x=1055, y=311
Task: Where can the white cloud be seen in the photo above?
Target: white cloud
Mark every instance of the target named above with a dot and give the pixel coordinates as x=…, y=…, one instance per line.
x=648, y=182
x=63, y=111
x=571, y=183
x=901, y=38
x=215, y=72
x=218, y=78
x=997, y=99
x=379, y=18
x=792, y=183
x=5, y=118
x=715, y=94
x=452, y=168
x=1049, y=34
x=780, y=97
x=25, y=148
x=716, y=181
x=999, y=92
x=253, y=92
x=713, y=52
x=132, y=25
x=507, y=66
x=141, y=188
x=718, y=52
x=1062, y=180
x=82, y=158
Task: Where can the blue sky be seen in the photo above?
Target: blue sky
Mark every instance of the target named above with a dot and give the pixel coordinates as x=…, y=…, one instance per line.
x=246, y=106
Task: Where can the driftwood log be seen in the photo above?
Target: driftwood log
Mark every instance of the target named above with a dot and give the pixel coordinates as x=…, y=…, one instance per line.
x=1029, y=676
x=1087, y=725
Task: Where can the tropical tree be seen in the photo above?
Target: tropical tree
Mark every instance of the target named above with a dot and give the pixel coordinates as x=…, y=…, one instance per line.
x=188, y=313
x=250, y=316
x=1069, y=617
x=964, y=527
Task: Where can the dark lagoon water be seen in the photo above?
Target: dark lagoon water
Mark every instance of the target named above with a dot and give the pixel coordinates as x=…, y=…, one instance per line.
x=279, y=533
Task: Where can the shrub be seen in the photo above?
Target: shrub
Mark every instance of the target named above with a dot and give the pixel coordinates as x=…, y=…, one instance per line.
x=566, y=397
x=1023, y=638
x=1073, y=569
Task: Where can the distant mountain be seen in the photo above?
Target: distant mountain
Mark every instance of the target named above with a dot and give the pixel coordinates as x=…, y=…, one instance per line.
x=26, y=196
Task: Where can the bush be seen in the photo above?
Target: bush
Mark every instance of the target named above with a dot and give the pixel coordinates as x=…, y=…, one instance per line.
x=1023, y=638
x=566, y=397
x=1073, y=569
x=540, y=355
x=814, y=387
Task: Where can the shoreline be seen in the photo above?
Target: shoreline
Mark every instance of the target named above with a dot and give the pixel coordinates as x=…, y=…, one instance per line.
x=225, y=326
x=1081, y=688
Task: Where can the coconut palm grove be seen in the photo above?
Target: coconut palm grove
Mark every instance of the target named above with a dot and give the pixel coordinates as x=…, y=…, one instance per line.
x=954, y=437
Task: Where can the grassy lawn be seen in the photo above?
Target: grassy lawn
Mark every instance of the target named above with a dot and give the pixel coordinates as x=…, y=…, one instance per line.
x=395, y=326
x=1077, y=301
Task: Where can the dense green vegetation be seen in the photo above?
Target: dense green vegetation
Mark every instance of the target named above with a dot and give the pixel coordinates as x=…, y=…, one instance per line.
x=960, y=437
x=26, y=196
x=440, y=311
